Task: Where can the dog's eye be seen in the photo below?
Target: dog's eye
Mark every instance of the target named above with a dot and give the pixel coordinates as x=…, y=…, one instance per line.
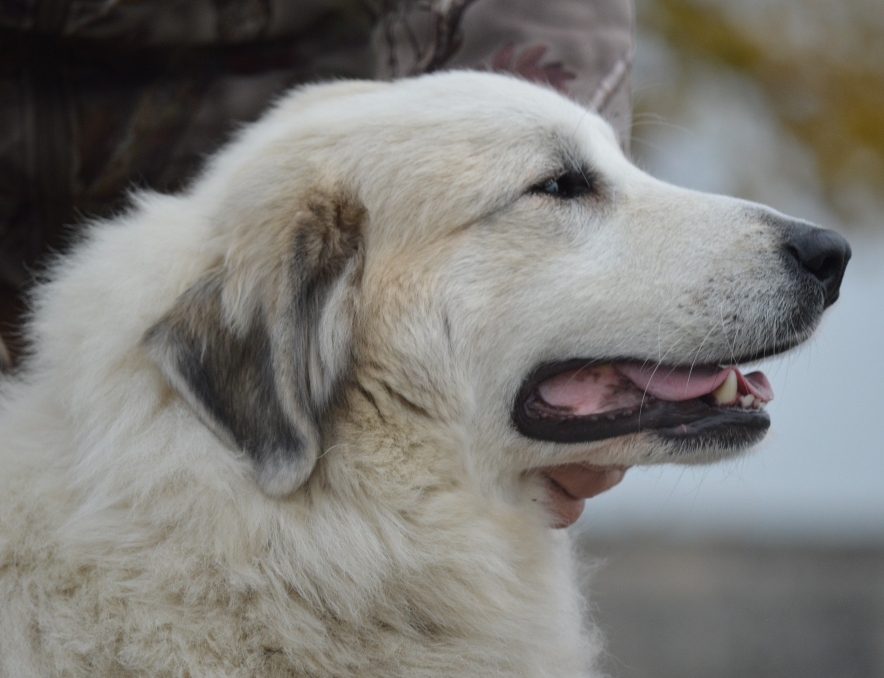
x=571, y=184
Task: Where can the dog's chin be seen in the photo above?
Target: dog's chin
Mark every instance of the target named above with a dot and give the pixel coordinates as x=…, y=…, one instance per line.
x=617, y=414
x=601, y=465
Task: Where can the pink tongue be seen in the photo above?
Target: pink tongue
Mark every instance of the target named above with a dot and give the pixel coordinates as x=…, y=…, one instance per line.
x=605, y=387
x=676, y=384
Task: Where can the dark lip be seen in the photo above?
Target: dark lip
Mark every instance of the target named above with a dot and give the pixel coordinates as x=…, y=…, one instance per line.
x=700, y=418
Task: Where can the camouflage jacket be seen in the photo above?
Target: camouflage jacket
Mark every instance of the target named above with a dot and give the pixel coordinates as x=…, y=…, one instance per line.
x=98, y=96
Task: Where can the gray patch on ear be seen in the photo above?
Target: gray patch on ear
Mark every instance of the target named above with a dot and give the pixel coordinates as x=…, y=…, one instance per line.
x=230, y=383
x=264, y=386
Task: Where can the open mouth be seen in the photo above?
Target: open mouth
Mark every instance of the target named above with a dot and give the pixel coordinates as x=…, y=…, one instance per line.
x=581, y=401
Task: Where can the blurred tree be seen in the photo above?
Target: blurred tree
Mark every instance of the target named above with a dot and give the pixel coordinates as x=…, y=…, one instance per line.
x=820, y=65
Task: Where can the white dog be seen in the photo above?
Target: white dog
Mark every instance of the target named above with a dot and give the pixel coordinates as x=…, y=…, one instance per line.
x=317, y=415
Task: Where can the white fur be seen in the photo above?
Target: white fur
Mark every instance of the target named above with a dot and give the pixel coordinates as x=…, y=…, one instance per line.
x=134, y=541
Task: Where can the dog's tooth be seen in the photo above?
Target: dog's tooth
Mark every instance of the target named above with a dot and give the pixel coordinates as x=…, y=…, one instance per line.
x=747, y=401
x=726, y=394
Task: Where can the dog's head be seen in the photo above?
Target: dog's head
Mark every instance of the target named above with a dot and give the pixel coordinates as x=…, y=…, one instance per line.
x=476, y=253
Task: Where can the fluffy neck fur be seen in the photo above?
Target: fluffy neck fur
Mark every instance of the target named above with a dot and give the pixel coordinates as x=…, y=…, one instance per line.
x=387, y=563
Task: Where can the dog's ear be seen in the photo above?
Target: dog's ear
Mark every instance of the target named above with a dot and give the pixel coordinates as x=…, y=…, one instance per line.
x=258, y=346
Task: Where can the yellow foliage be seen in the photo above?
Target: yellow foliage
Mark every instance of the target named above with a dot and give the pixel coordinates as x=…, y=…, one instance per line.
x=834, y=105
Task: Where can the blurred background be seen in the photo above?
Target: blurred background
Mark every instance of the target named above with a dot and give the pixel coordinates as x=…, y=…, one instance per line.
x=771, y=565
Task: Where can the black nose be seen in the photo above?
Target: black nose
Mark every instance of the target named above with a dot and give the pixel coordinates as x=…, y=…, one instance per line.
x=820, y=254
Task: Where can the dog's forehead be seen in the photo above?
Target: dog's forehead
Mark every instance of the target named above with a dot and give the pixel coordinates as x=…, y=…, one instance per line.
x=489, y=113
x=473, y=126
x=503, y=110
x=445, y=149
